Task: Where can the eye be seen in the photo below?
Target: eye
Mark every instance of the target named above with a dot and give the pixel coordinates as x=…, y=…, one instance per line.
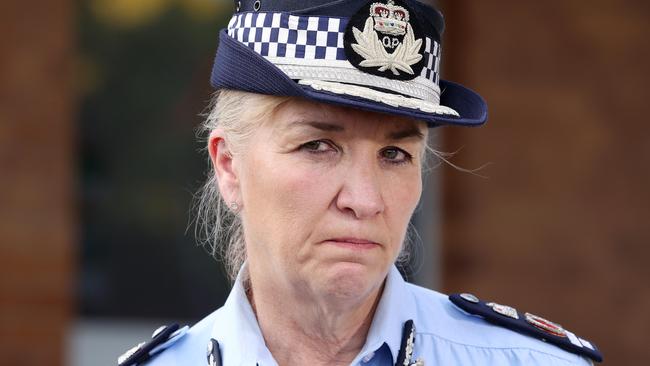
x=318, y=146
x=395, y=155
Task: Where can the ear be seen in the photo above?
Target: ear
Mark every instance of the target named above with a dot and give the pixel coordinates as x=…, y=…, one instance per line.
x=222, y=163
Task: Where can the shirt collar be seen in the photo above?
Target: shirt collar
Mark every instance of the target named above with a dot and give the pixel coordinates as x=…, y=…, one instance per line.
x=237, y=331
x=395, y=307
x=242, y=343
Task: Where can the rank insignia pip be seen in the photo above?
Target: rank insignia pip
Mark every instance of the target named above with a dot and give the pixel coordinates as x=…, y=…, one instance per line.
x=504, y=310
x=469, y=297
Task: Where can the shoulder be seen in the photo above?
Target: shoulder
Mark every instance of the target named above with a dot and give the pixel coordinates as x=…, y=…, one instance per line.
x=467, y=324
x=173, y=345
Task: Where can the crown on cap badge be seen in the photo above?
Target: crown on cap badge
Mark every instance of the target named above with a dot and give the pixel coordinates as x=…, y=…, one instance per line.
x=390, y=18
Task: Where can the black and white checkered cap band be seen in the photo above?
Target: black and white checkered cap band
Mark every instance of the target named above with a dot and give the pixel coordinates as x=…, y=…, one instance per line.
x=311, y=49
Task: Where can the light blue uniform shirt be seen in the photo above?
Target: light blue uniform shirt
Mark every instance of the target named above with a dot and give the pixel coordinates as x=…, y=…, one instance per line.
x=444, y=335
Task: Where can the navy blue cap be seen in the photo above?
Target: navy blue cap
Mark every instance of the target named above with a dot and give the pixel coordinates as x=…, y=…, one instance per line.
x=382, y=56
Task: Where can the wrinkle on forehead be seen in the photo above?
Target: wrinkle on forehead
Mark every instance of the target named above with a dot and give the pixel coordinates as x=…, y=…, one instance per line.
x=303, y=113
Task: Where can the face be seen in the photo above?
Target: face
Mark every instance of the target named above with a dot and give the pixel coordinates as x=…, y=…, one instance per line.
x=327, y=193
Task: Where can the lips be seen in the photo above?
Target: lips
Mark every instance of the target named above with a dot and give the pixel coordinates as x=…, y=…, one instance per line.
x=353, y=243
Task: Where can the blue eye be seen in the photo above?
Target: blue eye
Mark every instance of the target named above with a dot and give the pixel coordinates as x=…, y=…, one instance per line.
x=318, y=146
x=394, y=155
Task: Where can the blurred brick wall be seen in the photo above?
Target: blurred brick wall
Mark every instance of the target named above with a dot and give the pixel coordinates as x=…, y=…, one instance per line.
x=36, y=170
x=560, y=227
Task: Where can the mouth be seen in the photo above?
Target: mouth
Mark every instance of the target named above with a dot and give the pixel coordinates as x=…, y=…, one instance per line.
x=353, y=243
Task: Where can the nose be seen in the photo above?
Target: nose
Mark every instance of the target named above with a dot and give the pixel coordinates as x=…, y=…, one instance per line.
x=361, y=193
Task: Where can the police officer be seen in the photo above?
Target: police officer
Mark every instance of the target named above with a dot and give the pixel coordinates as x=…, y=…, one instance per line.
x=317, y=137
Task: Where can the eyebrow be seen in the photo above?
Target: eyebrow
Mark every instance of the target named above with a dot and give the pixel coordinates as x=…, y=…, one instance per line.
x=323, y=126
x=412, y=132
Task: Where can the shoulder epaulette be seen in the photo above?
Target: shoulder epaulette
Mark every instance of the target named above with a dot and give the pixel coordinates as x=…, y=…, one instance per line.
x=529, y=324
x=161, y=339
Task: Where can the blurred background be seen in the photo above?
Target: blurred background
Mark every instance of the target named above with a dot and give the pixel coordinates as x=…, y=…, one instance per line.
x=99, y=104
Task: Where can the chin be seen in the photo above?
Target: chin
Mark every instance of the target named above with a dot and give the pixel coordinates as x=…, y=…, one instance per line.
x=350, y=280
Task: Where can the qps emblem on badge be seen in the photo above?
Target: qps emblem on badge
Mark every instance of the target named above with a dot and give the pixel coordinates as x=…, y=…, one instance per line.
x=384, y=38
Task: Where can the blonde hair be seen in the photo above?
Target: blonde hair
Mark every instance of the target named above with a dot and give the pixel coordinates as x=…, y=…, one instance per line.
x=217, y=228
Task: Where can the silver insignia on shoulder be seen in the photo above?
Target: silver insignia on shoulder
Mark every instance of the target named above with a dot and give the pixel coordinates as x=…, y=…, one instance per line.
x=504, y=310
x=158, y=331
x=129, y=353
x=546, y=325
x=469, y=297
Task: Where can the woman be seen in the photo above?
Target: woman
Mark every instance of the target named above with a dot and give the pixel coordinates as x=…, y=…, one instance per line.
x=317, y=139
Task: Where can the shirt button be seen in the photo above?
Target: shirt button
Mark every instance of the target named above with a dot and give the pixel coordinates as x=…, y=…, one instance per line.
x=368, y=357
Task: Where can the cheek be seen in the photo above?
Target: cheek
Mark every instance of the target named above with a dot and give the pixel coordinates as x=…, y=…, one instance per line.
x=297, y=189
x=401, y=199
x=283, y=201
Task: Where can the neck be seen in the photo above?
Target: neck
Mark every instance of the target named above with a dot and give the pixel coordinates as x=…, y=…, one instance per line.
x=298, y=330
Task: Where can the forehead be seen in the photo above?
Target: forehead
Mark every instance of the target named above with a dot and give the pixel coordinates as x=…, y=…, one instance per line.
x=296, y=113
